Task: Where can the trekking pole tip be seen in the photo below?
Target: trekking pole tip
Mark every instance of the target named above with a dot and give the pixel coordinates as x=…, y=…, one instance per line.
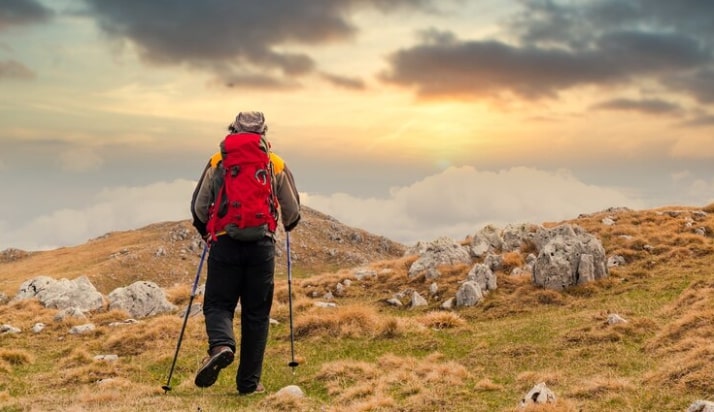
x=166, y=388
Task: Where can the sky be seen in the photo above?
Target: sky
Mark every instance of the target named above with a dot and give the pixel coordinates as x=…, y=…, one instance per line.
x=411, y=119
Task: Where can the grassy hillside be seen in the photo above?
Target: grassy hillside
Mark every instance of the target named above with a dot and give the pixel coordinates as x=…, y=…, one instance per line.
x=365, y=355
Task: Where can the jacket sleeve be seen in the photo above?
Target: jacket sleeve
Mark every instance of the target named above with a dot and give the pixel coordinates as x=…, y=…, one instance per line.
x=288, y=198
x=201, y=200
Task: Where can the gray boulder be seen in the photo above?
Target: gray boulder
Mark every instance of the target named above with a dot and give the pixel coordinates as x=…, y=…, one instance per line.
x=488, y=239
x=62, y=294
x=567, y=256
x=484, y=276
x=539, y=394
x=140, y=299
x=442, y=251
x=513, y=236
x=468, y=294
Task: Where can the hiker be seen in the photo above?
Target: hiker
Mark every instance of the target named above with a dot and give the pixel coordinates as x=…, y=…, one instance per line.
x=239, y=226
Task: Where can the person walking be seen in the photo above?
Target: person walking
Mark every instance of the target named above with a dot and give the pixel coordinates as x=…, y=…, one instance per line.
x=243, y=193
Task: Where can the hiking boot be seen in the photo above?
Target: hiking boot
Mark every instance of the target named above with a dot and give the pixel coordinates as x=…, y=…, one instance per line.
x=258, y=390
x=218, y=358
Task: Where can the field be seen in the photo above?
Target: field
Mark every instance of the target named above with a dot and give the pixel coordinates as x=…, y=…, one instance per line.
x=365, y=355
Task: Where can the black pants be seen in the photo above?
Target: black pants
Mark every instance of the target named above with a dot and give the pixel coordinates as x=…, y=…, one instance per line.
x=240, y=270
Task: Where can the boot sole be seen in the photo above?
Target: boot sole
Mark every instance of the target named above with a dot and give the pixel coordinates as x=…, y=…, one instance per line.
x=208, y=374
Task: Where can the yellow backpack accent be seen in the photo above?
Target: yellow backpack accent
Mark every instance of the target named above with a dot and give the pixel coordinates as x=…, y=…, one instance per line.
x=278, y=162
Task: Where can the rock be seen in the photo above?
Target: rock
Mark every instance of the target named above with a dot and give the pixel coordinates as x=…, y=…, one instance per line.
x=514, y=236
x=418, y=300
x=9, y=329
x=701, y=406
x=448, y=304
x=291, y=390
x=615, y=260
x=484, y=276
x=325, y=304
x=82, y=329
x=567, y=256
x=37, y=327
x=107, y=358
x=614, y=319
x=140, y=299
x=468, y=294
x=442, y=251
x=395, y=302
x=540, y=394
x=72, y=312
x=62, y=294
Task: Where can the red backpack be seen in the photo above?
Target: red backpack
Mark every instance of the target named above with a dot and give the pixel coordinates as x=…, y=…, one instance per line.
x=244, y=203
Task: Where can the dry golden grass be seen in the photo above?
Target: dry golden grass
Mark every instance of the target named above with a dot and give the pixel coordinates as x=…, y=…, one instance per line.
x=441, y=320
x=486, y=385
x=600, y=386
x=16, y=356
x=135, y=339
x=512, y=260
x=355, y=321
x=358, y=385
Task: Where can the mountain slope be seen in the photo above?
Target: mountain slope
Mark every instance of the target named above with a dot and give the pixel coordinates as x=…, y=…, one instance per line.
x=166, y=252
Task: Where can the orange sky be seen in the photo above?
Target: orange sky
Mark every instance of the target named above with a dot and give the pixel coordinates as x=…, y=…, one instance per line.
x=411, y=119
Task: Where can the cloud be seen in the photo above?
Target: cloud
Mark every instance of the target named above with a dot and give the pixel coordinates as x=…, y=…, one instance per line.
x=459, y=201
x=700, y=120
x=548, y=48
x=646, y=106
x=12, y=69
x=344, y=82
x=234, y=39
x=700, y=84
x=701, y=190
x=575, y=24
x=120, y=208
x=80, y=160
x=23, y=12
x=443, y=65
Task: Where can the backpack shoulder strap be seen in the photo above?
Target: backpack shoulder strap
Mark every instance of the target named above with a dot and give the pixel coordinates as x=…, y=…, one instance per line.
x=278, y=163
x=215, y=159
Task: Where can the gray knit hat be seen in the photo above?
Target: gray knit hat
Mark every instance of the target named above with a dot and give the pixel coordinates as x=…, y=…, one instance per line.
x=249, y=122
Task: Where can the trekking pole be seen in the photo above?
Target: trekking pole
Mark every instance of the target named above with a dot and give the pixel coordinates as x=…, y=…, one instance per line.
x=292, y=362
x=167, y=387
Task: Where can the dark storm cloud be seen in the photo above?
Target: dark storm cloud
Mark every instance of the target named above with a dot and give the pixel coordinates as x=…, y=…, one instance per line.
x=647, y=106
x=21, y=12
x=243, y=34
x=445, y=66
x=554, y=47
x=579, y=23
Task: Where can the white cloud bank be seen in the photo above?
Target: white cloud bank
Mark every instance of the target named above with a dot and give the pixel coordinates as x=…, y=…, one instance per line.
x=456, y=202
x=120, y=208
x=459, y=201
